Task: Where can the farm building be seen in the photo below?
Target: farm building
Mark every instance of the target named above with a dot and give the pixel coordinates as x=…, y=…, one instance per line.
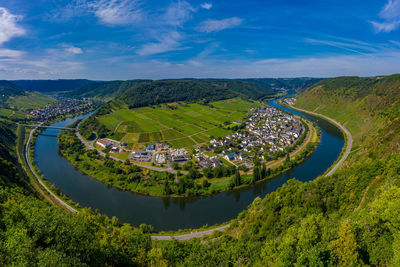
x=104, y=143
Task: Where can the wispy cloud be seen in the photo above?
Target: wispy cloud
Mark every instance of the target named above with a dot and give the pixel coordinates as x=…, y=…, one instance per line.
x=8, y=26
x=110, y=12
x=166, y=42
x=178, y=13
x=214, y=25
x=74, y=50
x=207, y=6
x=116, y=12
x=345, y=44
x=168, y=32
x=10, y=53
x=390, y=15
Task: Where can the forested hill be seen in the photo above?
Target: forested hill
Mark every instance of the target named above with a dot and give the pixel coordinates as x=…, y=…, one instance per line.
x=104, y=90
x=8, y=89
x=49, y=86
x=157, y=92
x=362, y=104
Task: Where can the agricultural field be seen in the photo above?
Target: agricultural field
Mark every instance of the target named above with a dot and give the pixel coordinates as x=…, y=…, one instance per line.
x=179, y=124
x=31, y=100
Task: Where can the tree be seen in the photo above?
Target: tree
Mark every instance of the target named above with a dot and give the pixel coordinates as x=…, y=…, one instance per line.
x=206, y=184
x=263, y=171
x=237, y=180
x=175, y=166
x=287, y=160
x=207, y=172
x=218, y=172
x=256, y=174
x=345, y=246
x=166, y=189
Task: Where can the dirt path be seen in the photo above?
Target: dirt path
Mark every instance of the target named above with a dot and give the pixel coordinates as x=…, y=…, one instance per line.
x=190, y=235
x=349, y=138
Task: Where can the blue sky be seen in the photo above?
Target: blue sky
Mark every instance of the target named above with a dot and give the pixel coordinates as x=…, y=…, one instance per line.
x=128, y=39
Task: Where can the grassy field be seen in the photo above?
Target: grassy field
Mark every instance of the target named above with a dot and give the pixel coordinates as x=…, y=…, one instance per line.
x=32, y=100
x=181, y=125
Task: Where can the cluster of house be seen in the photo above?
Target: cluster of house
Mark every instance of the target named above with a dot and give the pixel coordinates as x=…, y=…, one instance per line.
x=267, y=130
x=206, y=161
x=63, y=106
x=289, y=101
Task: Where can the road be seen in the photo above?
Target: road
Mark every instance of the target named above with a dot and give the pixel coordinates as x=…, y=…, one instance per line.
x=55, y=197
x=349, y=138
x=189, y=236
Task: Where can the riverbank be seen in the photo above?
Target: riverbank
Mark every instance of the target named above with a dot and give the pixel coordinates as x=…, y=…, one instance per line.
x=170, y=214
x=151, y=182
x=48, y=194
x=347, y=138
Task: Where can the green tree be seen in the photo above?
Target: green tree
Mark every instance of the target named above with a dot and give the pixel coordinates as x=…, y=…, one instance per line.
x=237, y=180
x=263, y=171
x=345, y=246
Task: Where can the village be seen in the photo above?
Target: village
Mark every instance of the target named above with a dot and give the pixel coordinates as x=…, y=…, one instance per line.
x=63, y=106
x=266, y=133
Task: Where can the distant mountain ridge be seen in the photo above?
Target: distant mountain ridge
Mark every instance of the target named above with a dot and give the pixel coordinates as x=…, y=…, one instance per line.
x=108, y=90
x=49, y=86
x=104, y=90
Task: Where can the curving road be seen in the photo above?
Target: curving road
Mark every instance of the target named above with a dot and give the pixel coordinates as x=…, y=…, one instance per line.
x=55, y=197
x=349, y=138
x=190, y=235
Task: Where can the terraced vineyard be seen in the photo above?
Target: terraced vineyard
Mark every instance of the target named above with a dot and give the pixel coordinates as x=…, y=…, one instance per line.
x=180, y=124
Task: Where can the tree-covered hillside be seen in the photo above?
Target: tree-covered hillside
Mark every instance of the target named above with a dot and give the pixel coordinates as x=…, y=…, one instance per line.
x=363, y=104
x=104, y=90
x=9, y=89
x=157, y=92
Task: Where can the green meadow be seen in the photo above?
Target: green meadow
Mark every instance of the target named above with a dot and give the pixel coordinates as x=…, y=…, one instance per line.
x=31, y=100
x=179, y=124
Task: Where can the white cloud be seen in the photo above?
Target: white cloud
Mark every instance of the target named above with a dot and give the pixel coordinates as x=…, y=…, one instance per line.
x=74, y=50
x=391, y=10
x=178, y=13
x=213, y=25
x=346, y=44
x=116, y=12
x=207, y=6
x=166, y=42
x=385, y=26
x=110, y=12
x=8, y=26
x=390, y=15
x=9, y=53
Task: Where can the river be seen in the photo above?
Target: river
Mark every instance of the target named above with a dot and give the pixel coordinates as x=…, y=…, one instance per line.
x=174, y=213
